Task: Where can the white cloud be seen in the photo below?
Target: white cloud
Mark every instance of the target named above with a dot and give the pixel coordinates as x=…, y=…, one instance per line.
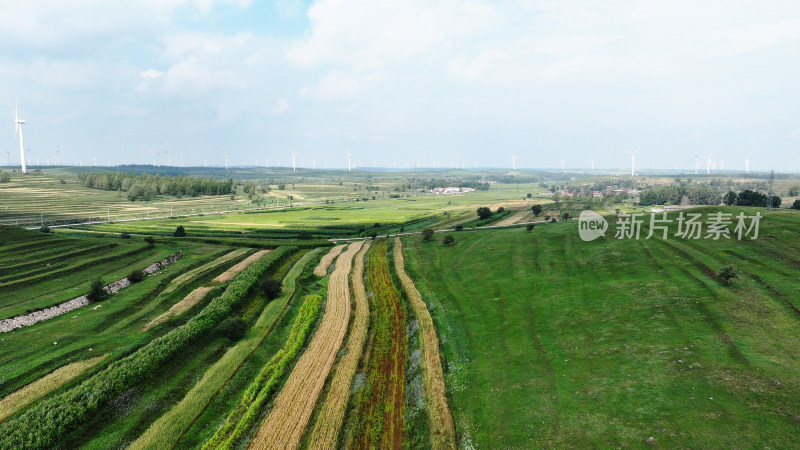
x=280, y=107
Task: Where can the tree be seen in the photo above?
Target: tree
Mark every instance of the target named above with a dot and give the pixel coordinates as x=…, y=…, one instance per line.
x=179, y=231
x=529, y=195
x=136, y=276
x=448, y=240
x=565, y=215
x=270, y=287
x=500, y=210
x=125, y=235
x=529, y=227
x=44, y=229
x=730, y=198
x=796, y=204
x=776, y=201
x=233, y=328
x=794, y=191
x=460, y=227
x=427, y=234
x=728, y=272
x=484, y=213
x=151, y=242
x=97, y=291
x=537, y=209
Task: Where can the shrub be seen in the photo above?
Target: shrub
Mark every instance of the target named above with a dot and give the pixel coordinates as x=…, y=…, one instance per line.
x=728, y=272
x=565, y=215
x=500, y=210
x=125, y=235
x=448, y=240
x=97, y=291
x=151, y=242
x=537, y=209
x=529, y=227
x=459, y=227
x=233, y=328
x=796, y=204
x=270, y=287
x=179, y=231
x=427, y=234
x=44, y=229
x=484, y=213
x=136, y=276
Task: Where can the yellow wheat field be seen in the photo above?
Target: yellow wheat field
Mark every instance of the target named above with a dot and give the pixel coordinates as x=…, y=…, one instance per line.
x=181, y=307
x=284, y=426
x=331, y=416
x=17, y=400
x=443, y=434
x=191, y=274
x=322, y=268
x=230, y=273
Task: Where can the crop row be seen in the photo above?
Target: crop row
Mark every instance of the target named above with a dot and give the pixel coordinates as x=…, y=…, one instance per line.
x=322, y=268
x=45, y=423
x=250, y=406
x=286, y=423
x=381, y=403
x=326, y=430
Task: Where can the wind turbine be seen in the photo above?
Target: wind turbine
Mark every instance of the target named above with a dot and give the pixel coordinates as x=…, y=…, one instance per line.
x=294, y=167
x=708, y=163
x=455, y=155
x=18, y=123
x=514, y=162
x=633, y=160
x=348, y=158
x=747, y=165
x=696, y=165
x=226, y=161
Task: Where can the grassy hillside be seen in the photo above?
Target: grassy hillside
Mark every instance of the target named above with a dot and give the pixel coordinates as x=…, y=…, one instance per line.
x=550, y=340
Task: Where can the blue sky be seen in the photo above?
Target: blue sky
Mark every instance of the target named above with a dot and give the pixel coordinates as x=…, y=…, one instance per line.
x=404, y=81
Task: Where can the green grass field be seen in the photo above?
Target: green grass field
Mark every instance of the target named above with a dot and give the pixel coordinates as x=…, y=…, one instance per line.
x=552, y=341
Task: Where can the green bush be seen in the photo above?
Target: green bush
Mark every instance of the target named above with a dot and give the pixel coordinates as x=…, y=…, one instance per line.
x=233, y=328
x=270, y=287
x=125, y=235
x=136, y=276
x=448, y=240
x=97, y=291
x=179, y=231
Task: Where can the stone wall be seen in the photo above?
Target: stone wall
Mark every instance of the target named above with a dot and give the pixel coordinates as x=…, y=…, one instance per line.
x=71, y=305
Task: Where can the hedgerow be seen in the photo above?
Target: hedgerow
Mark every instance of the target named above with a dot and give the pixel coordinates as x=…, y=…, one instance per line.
x=47, y=422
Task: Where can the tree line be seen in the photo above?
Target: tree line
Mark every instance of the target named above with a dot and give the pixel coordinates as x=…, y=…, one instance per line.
x=674, y=195
x=146, y=187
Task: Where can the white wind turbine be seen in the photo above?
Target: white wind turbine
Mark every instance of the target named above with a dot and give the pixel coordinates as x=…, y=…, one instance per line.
x=514, y=162
x=294, y=167
x=696, y=164
x=633, y=160
x=18, y=123
x=708, y=163
x=455, y=155
x=348, y=158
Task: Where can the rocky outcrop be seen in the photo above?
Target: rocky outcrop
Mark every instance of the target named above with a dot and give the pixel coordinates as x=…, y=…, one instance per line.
x=27, y=320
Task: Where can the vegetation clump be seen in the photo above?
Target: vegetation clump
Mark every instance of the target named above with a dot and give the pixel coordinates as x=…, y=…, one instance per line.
x=179, y=231
x=727, y=273
x=233, y=328
x=136, y=276
x=97, y=291
x=270, y=287
x=484, y=213
x=427, y=234
x=448, y=240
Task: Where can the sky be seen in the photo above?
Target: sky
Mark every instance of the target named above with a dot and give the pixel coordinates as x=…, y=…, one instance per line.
x=403, y=82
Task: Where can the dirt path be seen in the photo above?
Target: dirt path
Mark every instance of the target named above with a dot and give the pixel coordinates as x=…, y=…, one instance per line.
x=443, y=434
x=322, y=268
x=284, y=426
x=326, y=429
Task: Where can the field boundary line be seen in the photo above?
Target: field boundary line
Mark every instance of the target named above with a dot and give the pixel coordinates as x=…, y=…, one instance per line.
x=442, y=428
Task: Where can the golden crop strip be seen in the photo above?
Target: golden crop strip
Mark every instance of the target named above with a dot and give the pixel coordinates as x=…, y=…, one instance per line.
x=322, y=268
x=181, y=307
x=326, y=429
x=181, y=279
x=17, y=400
x=285, y=424
x=440, y=420
x=230, y=273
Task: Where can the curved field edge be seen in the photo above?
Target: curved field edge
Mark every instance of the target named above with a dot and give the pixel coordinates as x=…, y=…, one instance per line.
x=334, y=405
x=285, y=424
x=247, y=411
x=322, y=268
x=167, y=430
x=442, y=429
x=46, y=422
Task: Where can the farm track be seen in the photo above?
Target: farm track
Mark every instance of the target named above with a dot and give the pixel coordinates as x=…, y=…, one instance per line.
x=230, y=273
x=443, y=434
x=287, y=421
x=326, y=429
x=322, y=268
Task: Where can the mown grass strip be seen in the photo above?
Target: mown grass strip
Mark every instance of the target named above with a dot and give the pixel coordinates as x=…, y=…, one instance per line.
x=45, y=423
x=167, y=430
x=230, y=273
x=14, y=402
x=322, y=268
x=286, y=422
x=443, y=433
x=245, y=414
x=181, y=307
x=326, y=429
x=183, y=278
